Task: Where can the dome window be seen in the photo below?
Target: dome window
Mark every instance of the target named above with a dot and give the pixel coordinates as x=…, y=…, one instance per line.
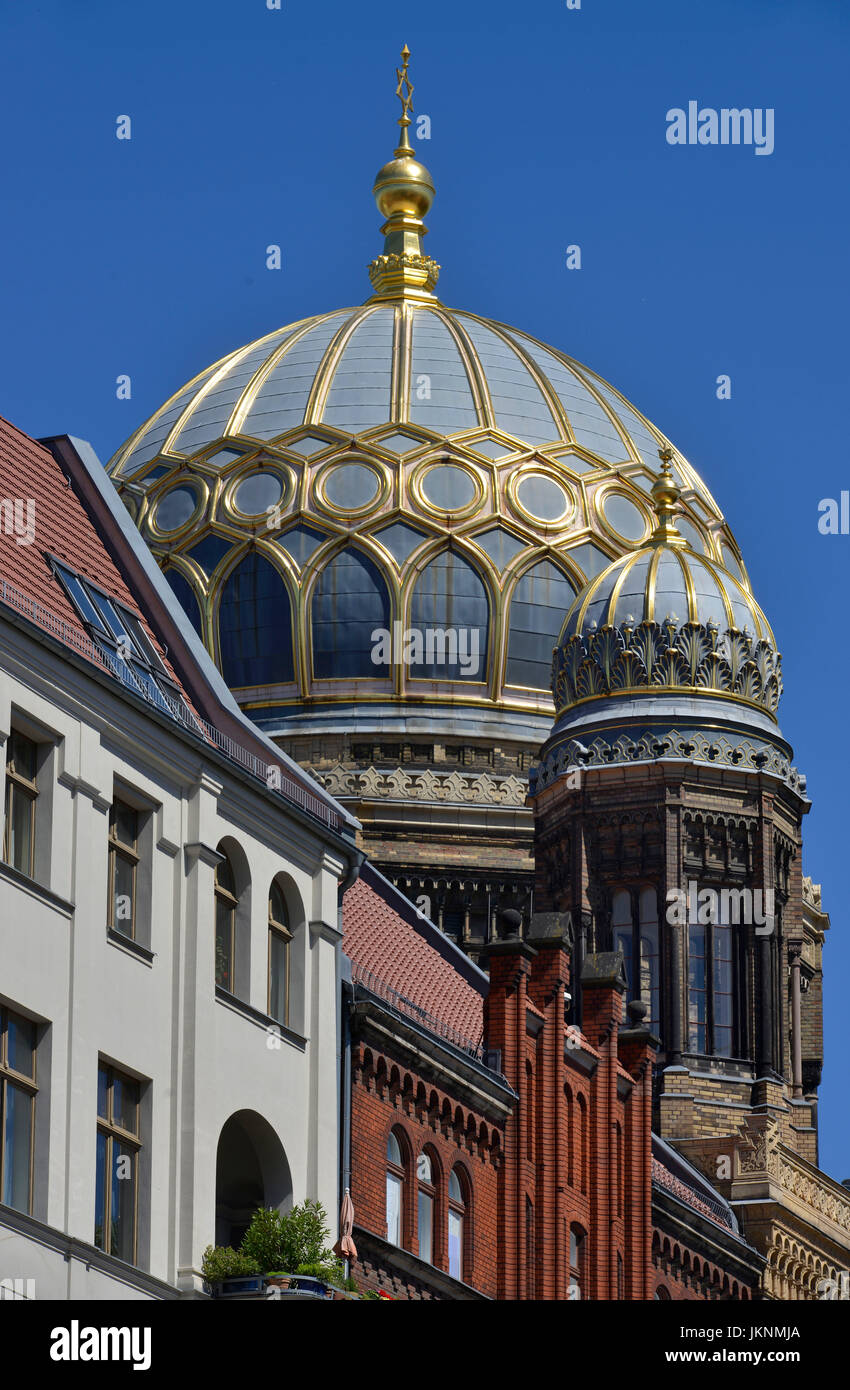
x=349, y=602
x=258, y=492
x=350, y=487
x=175, y=509
x=255, y=625
x=447, y=488
x=623, y=517
x=543, y=498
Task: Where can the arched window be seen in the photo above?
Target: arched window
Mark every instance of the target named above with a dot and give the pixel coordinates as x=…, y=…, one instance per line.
x=539, y=606
x=457, y=1224
x=279, y=939
x=426, y=1201
x=576, y=1263
x=395, y=1190
x=186, y=597
x=350, y=601
x=450, y=613
x=255, y=625
x=225, y=924
x=662, y=1294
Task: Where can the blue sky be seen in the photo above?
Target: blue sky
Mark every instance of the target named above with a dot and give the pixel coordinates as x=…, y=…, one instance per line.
x=253, y=127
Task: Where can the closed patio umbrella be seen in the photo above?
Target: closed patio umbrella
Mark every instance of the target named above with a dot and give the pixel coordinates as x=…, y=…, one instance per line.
x=345, y=1247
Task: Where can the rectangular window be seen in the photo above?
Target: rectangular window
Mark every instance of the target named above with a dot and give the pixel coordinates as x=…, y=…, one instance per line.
x=711, y=987
x=278, y=976
x=21, y=793
x=697, y=991
x=17, y=1109
x=426, y=1226
x=722, y=990
x=123, y=864
x=455, y=1244
x=117, y=1164
x=393, y=1209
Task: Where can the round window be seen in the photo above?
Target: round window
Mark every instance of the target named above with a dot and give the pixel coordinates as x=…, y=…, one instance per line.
x=448, y=488
x=257, y=492
x=624, y=517
x=351, y=486
x=542, y=497
x=175, y=508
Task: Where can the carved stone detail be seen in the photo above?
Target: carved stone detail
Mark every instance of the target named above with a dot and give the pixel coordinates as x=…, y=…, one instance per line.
x=479, y=788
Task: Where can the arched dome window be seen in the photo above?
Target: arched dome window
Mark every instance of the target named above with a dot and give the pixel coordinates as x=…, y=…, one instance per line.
x=349, y=602
x=450, y=611
x=255, y=625
x=540, y=603
x=186, y=597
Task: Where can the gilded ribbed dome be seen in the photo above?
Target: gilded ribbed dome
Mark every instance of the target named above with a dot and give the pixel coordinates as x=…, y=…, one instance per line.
x=666, y=619
x=399, y=466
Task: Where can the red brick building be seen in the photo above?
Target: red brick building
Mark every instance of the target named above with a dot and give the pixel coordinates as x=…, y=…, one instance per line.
x=495, y=1151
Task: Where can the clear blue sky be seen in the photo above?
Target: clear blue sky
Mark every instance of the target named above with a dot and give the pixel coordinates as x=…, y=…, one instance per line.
x=253, y=126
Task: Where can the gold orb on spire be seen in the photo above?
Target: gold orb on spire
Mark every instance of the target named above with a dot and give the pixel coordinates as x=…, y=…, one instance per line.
x=665, y=494
x=404, y=192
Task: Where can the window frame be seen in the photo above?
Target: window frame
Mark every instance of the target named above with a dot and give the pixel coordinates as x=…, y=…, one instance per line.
x=709, y=989
x=398, y=1173
x=10, y=1076
x=634, y=960
x=577, y=1269
x=112, y=1131
x=460, y=1210
x=18, y=785
x=130, y=853
x=282, y=931
x=428, y=1188
x=231, y=900
x=110, y=623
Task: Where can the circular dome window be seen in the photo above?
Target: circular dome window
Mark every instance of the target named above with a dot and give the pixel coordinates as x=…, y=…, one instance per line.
x=350, y=486
x=624, y=517
x=176, y=508
x=543, y=498
x=448, y=488
x=256, y=493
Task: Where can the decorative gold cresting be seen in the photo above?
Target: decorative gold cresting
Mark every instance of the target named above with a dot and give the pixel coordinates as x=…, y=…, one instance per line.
x=665, y=494
x=404, y=191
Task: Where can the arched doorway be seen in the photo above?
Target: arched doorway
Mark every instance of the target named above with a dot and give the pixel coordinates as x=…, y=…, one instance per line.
x=251, y=1171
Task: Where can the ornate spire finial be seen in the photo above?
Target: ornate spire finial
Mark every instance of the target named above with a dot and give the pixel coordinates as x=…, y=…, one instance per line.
x=665, y=494
x=404, y=92
x=404, y=191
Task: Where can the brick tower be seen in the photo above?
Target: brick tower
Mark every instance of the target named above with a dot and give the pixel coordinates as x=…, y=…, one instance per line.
x=668, y=823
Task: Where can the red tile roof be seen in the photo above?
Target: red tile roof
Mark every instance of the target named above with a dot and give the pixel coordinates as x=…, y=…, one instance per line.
x=63, y=527
x=384, y=936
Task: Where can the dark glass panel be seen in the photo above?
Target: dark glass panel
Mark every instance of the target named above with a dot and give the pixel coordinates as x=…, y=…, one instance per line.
x=255, y=626
x=186, y=597
x=349, y=602
x=450, y=598
x=539, y=606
